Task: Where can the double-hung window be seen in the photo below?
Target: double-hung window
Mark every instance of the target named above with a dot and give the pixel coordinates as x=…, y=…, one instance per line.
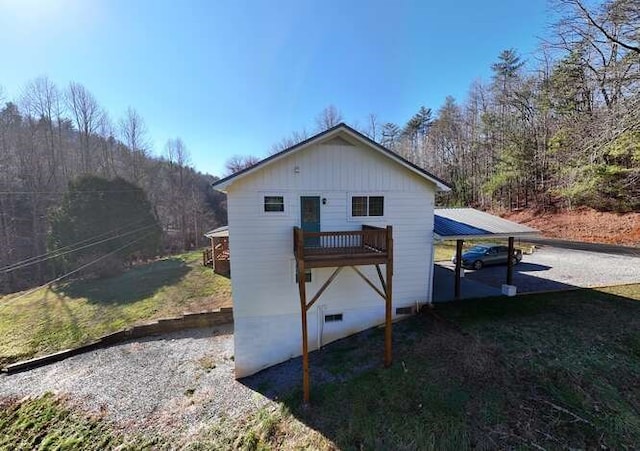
x=367, y=206
x=273, y=204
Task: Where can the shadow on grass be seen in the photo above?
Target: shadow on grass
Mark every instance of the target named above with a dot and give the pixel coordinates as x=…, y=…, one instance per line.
x=134, y=285
x=554, y=370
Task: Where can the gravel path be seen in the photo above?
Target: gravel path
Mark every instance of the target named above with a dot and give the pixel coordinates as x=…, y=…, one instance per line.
x=169, y=381
x=169, y=384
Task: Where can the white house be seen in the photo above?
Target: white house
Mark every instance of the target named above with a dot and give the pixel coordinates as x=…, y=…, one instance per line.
x=336, y=181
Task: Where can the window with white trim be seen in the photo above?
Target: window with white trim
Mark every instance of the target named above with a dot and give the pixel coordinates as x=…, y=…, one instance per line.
x=367, y=206
x=273, y=204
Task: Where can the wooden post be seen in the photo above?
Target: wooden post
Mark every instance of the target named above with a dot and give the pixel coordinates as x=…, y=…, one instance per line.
x=510, y=263
x=298, y=237
x=305, y=345
x=456, y=283
x=389, y=300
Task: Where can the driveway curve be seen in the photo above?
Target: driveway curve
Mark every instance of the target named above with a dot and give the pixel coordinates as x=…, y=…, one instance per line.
x=153, y=384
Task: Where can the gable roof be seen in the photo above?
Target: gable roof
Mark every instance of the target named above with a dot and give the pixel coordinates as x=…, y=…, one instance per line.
x=220, y=232
x=223, y=183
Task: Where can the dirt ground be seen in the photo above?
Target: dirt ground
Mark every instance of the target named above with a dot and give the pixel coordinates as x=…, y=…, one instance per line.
x=583, y=224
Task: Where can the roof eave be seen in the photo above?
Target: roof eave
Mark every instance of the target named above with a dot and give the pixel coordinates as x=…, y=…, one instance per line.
x=487, y=236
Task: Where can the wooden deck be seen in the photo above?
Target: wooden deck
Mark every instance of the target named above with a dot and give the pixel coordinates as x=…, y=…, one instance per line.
x=369, y=246
x=334, y=249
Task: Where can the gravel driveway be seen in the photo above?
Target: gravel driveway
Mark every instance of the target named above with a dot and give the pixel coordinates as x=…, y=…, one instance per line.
x=155, y=384
x=550, y=268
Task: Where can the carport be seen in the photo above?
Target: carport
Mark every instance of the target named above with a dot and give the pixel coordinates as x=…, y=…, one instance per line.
x=462, y=224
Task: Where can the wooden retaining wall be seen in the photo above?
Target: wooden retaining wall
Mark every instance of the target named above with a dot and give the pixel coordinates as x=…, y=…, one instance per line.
x=161, y=326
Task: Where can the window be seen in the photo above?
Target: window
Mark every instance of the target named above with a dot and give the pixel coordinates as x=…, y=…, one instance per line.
x=367, y=206
x=333, y=318
x=376, y=206
x=273, y=204
x=359, y=206
x=404, y=310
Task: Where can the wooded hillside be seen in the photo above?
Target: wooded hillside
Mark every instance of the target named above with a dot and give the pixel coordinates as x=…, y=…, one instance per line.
x=49, y=136
x=559, y=129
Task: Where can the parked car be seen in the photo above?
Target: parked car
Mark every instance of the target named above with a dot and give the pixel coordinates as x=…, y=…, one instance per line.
x=488, y=254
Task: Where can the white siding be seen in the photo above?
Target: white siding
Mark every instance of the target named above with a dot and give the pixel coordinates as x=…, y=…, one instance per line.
x=265, y=295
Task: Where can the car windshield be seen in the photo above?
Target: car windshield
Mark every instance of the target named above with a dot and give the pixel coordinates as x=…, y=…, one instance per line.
x=478, y=249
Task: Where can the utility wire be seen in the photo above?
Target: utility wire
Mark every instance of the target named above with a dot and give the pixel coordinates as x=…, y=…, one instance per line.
x=78, y=243
x=58, y=279
x=14, y=268
x=65, y=192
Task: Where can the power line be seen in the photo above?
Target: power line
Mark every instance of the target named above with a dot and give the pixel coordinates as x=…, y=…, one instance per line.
x=16, y=267
x=64, y=248
x=58, y=279
x=65, y=192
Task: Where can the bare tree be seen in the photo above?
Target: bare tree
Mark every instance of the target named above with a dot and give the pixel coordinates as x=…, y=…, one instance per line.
x=238, y=162
x=289, y=141
x=176, y=152
x=134, y=135
x=41, y=101
x=183, y=201
x=86, y=115
x=108, y=146
x=329, y=117
x=372, y=126
x=616, y=21
x=605, y=41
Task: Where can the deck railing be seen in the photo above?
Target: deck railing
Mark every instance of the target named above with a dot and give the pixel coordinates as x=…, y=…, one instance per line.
x=368, y=240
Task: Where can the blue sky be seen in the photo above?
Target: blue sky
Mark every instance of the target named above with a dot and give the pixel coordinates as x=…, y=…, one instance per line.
x=234, y=77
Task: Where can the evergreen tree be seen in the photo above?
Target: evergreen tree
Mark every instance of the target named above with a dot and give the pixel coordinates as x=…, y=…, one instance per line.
x=112, y=218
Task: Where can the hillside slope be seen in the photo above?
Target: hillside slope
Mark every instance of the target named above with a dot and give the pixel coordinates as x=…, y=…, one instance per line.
x=583, y=224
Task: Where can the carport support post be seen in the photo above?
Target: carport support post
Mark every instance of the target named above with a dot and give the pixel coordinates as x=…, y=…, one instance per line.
x=456, y=283
x=510, y=263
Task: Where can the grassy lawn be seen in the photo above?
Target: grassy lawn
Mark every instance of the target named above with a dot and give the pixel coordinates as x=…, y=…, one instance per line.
x=550, y=370
x=74, y=313
x=547, y=371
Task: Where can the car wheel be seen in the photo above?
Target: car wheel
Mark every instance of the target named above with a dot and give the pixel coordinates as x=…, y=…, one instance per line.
x=515, y=261
x=477, y=264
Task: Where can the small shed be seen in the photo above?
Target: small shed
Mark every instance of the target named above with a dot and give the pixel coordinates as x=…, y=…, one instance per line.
x=462, y=224
x=219, y=253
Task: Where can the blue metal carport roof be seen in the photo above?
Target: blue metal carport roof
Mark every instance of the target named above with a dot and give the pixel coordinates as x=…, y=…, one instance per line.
x=469, y=223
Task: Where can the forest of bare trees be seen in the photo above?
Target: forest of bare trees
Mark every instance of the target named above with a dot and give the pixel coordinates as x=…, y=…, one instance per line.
x=50, y=136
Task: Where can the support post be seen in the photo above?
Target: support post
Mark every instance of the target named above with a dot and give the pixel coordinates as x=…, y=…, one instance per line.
x=456, y=283
x=510, y=263
x=305, y=345
x=389, y=300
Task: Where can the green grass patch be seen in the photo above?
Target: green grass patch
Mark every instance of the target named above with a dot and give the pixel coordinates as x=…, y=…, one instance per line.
x=71, y=314
x=46, y=423
x=555, y=370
